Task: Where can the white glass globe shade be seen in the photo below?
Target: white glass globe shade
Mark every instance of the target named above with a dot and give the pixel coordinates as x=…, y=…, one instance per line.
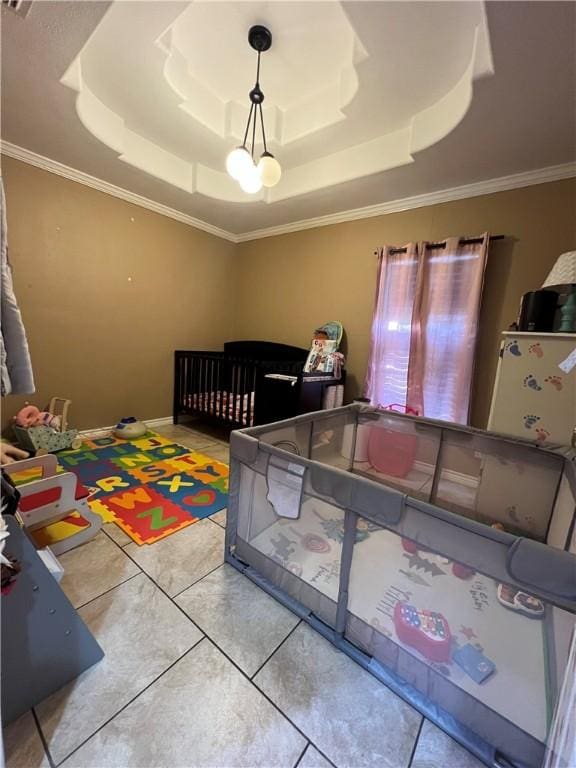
x=269, y=170
x=250, y=181
x=238, y=162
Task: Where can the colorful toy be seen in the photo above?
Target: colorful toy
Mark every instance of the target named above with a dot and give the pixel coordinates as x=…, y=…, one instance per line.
x=516, y=600
x=324, y=357
x=42, y=432
x=52, y=498
x=474, y=663
x=30, y=416
x=129, y=428
x=426, y=631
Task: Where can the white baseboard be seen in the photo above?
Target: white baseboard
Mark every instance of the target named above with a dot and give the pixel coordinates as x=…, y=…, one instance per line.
x=102, y=431
x=163, y=422
x=449, y=474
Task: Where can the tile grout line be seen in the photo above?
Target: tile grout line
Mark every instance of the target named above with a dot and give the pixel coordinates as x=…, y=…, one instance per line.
x=43, y=739
x=234, y=664
x=297, y=763
x=78, y=607
x=208, y=637
x=280, y=644
x=192, y=647
x=110, y=537
x=416, y=740
x=222, y=527
x=215, y=644
x=195, y=582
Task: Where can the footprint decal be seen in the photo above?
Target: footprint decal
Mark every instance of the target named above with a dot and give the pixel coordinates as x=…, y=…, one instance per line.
x=513, y=348
x=536, y=349
x=531, y=382
x=512, y=512
x=530, y=420
x=556, y=382
x=542, y=434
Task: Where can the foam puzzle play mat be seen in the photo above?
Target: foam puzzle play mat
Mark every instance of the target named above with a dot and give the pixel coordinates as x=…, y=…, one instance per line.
x=150, y=487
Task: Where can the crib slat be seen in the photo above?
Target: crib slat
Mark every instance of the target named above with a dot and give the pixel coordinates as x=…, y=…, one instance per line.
x=184, y=385
x=245, y=391
x=203, y=383
x=187, y=381
x=236, y=389
x=194, y=373
x=210, y=387
x=231, y=385
x=250, y=412
x=220, y=387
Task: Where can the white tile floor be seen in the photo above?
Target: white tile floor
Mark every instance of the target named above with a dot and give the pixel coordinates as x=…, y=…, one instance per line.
x=205, y=670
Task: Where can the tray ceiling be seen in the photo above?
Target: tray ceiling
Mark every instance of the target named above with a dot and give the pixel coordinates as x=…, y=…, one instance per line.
x=365, y=101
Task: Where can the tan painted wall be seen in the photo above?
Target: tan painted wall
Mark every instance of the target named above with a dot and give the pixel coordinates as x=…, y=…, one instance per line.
x=107, y=342
x=96, y=337
x=291, y=283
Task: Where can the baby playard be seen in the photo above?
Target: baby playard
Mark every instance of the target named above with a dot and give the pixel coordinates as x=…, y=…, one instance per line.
x=441, y=558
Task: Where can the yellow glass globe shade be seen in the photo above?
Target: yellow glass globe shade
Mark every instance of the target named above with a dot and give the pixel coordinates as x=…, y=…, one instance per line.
x=269, y=169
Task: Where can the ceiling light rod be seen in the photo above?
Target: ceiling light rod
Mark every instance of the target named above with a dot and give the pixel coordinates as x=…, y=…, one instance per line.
x=240, y=163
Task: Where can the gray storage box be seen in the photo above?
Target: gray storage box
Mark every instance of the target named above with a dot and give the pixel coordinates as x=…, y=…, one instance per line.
x=390, y=552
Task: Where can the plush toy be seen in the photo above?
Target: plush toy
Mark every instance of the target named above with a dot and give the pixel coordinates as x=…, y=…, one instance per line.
x=26, y=417
x=30, y=416
x=47, y=419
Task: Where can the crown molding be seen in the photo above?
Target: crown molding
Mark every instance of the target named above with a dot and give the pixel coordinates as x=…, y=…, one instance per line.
x=500, y=184
x=26, y=156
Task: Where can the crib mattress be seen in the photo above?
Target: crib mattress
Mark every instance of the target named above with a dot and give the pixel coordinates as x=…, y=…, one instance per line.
x=232, y=407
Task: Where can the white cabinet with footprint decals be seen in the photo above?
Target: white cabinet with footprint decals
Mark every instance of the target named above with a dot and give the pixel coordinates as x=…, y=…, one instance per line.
x=535, y=391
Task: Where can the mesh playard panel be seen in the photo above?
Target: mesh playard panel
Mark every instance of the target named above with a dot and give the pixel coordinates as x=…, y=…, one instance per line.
x=378, y=529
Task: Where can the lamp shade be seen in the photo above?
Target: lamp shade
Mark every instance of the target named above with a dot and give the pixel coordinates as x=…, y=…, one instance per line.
x=239, y=162
x=269, y=170
x=250, y=181
x=563, y=272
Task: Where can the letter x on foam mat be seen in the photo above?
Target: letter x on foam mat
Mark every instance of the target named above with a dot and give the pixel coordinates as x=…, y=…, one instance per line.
x=149, y=487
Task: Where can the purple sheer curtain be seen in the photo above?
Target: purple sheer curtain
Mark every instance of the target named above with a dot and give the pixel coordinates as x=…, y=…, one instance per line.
x=425, y=327
x=387, y=377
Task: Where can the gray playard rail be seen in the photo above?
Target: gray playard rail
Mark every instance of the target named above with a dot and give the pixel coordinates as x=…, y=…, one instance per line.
x=440, y=558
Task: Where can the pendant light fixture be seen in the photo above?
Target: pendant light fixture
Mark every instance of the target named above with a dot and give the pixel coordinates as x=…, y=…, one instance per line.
x=240, y=162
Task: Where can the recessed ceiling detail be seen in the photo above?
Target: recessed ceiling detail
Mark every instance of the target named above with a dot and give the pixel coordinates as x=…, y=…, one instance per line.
x=312, y=80
x=353, y=96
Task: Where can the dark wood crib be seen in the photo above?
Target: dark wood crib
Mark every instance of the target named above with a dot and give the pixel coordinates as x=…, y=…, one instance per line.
x=224, y=387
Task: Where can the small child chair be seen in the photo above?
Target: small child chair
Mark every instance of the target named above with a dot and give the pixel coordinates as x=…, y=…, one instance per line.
x=51, y=498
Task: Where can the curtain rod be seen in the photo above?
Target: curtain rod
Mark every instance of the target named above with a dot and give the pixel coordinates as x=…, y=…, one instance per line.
x=463, y=241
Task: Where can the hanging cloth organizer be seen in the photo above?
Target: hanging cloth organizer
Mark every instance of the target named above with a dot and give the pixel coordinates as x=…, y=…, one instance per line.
x=15, y=365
